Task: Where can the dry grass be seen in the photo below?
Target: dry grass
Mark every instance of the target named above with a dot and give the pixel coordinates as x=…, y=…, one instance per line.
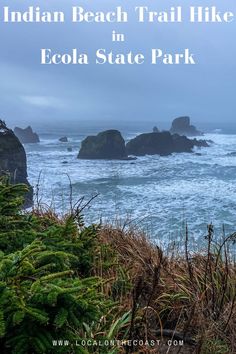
x=162, y=296
x=189, y=297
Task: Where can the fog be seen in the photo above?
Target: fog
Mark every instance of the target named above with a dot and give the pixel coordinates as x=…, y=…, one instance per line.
x=116, y=95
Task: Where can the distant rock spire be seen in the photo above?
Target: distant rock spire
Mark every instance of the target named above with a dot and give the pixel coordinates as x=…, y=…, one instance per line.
x=182, y=126
x=3, y=124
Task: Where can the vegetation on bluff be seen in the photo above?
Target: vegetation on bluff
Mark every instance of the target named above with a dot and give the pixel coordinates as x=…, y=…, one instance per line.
x=62, y=280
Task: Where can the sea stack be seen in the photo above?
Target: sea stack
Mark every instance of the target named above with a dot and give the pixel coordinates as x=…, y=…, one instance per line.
x=26, y=136
x=182, y=126
x=155, y=130
x=162, y=143
x=13, y=159
x=63, y=139
x=108, y=145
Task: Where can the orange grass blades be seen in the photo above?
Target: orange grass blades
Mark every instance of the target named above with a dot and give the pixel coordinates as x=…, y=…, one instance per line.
x=189, y=297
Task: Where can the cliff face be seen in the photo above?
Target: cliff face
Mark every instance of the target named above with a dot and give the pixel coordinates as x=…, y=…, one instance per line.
x=13, y=159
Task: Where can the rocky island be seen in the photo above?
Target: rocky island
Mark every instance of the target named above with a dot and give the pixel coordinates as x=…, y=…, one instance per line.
x=13, y=159
x=63, y=139
x=106, y=145
x=162, y=143
x=26, y=136
x=182, y=126
x=111, y=145
x=155, y=129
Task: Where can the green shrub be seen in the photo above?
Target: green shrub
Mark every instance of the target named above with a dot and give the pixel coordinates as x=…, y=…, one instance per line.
x=46, y=291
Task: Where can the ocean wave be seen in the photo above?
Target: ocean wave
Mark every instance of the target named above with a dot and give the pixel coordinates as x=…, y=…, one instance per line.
x=159, y=193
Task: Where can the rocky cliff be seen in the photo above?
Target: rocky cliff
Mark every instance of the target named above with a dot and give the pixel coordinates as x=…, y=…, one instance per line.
x=13, y=159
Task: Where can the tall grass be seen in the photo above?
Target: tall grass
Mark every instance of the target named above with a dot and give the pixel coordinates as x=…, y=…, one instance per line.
x=59, y=277
x=190, y=296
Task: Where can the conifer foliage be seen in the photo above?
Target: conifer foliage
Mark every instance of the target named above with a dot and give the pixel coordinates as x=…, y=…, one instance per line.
x=46, y=292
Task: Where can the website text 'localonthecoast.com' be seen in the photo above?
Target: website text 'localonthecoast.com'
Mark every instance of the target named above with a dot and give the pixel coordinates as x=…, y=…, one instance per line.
x=118, y=343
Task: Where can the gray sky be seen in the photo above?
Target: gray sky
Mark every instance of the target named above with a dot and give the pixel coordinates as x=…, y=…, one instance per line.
x=36, y=94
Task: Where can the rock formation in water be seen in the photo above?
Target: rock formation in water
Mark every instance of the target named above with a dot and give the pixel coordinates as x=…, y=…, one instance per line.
x=182, y=126
x=162, y=144
x=106, y=145
x=13, y=159
x=155, y=130
x=64, y=139
x=26, y=136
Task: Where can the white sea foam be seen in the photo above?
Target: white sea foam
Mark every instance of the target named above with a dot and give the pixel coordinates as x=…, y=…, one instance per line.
x=157, y=193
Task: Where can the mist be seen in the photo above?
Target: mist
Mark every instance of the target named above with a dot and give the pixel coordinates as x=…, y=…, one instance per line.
x=51, y=97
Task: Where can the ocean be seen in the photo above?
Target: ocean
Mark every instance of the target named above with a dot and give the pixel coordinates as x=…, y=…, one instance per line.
x=157, y=195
